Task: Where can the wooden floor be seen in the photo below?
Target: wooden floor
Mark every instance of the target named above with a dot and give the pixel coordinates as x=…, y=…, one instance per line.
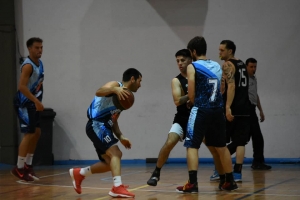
x=281, y=182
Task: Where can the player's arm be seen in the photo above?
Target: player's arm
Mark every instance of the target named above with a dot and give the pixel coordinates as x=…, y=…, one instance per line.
x=120, y=136
x=176, y=92
x=24, y=78
x=223, y=80
x=261, y=113
x=191, y=82
x=112, y=87
x=229, y=71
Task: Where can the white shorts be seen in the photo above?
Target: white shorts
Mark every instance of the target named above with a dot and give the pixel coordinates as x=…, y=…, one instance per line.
x=176, y=128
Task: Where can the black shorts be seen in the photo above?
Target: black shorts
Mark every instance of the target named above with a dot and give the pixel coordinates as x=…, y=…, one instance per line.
x=238, y=130
x=182, y=121
x=29, y=118
x=208, y=123
x=101, y=135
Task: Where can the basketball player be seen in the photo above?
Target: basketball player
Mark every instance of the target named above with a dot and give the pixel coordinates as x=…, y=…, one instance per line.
x=181, y=100
x=28, y=105
x=255, y=132
x=103, y=130
x=235, y=83
x=206, y=118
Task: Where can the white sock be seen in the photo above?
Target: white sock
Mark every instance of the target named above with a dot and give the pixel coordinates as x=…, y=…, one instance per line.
x=29, y=158
x=85, y=171
x=117, y=181
x=21, y=161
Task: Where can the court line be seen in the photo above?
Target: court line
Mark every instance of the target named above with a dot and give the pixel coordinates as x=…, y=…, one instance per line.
x=262, y=189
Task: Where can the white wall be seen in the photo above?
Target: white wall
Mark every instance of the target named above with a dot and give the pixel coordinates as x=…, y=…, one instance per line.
x=88, y=43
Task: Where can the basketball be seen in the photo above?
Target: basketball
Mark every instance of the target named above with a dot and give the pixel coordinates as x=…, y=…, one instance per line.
x=124, y=104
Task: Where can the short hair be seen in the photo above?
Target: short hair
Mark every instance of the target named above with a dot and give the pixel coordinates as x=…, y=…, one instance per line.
x=184, y=52
x=251, y=60
x=32, y=40
x=229, y=45
x=198, y=43
x=129, y=73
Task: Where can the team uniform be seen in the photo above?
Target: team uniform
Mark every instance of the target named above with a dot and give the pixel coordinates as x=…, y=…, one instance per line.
x=102, y=114
x=206, y=118
x=29, y=118
x=239, y=128
x=181, y=117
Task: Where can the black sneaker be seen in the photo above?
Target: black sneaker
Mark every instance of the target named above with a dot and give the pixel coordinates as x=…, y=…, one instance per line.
x=229, y=186
x=260, y=166
x=30, y=171
x=188, y=188
x=153, y=181
x=21, y=174
x=222, y=181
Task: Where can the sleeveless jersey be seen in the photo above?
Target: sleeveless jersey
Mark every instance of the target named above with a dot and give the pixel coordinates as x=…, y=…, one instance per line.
x=35, y=84
x=102, y=109
x=182, y=109
x=240, y=104
x=208, y=75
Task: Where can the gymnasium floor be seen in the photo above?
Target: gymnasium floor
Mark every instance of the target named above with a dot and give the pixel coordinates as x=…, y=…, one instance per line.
x=281, y=182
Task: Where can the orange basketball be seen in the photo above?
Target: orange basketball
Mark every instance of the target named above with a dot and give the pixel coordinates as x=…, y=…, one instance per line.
x=124, y=104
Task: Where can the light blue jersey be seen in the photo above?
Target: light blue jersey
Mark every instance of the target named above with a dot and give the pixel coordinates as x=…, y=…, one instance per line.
x=34, y=83
x=102, y=109
x=208, y=75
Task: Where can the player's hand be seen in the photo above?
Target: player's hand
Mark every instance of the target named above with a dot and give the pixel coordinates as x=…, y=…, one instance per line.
x=122, y=93
x=189, y=104
x=126, y=143
x=39, y=106
x=262, y=116
x=229, y=116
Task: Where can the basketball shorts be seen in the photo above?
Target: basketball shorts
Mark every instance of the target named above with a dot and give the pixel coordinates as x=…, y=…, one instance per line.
x=208, y=123
x=101, y=136
x=179, y=127
x=238, y=130
x=29, y=119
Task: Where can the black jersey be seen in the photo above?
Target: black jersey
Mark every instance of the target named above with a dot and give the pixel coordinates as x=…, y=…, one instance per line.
x=240, y=104
x=182, y=111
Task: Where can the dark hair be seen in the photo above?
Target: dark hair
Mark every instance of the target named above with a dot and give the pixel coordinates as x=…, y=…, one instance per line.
x=32, y=40
x=229, y=45
x=184, y=52
x=198, y=43
x=251, y=60
x=131, y=72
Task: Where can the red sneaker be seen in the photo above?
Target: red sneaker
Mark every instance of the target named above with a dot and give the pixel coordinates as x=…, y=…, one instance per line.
x=188, y=188
x=21, y=173
x=77, y=178
x=29, y=170
x=120, y=191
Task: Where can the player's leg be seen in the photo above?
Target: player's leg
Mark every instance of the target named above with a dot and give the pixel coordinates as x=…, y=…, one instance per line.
x=29, y=157
x=27, y=123
x=241, y=136
x=175, y=134
x=195, y=133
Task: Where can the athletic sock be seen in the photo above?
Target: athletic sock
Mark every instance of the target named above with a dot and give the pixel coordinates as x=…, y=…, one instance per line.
x=156, y=172
x=29, y=158
x=237, y=168
x=85, y=171
x=229, y=177
x=117, y=181
x=21, y=161
x=193, y=176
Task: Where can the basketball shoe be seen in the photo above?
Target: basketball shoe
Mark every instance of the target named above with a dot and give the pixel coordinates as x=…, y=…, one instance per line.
x=29, y=170
x=237, y=177
x=153, y=181
x=229, y=186
x=215, y=176
x=120, y=191
x=77, y=178
x=188, y=188
x=21, y=173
